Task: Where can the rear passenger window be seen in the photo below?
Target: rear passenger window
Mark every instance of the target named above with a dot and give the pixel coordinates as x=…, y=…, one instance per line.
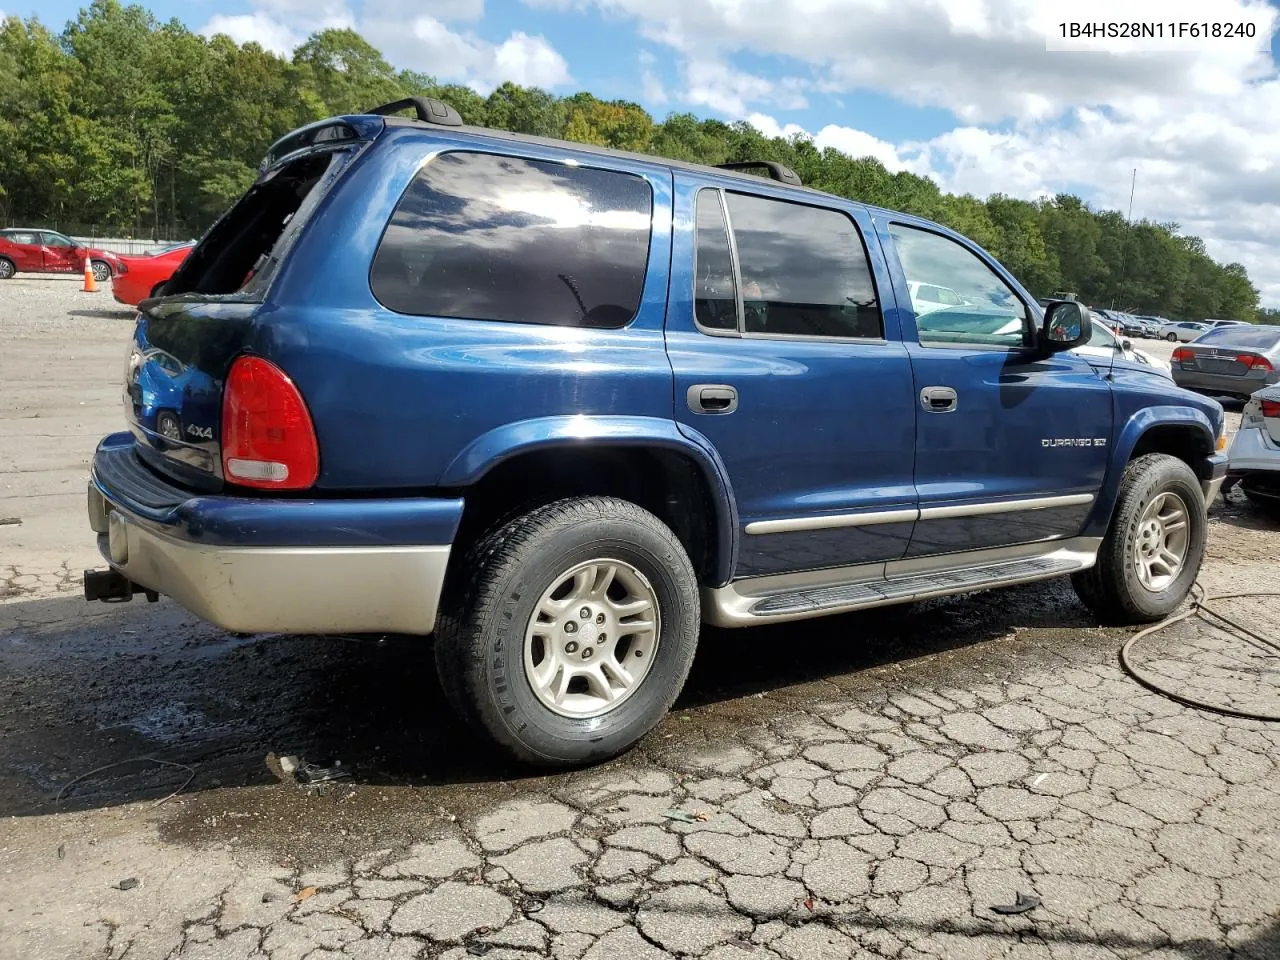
x=486, y=237
x=803, y=270
x=715, y=298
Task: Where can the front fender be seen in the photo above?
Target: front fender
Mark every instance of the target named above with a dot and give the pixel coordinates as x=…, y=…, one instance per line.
x=1127, y=439
x=544, y=433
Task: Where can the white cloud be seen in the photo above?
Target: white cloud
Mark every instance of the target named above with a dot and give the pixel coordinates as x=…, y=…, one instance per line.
x=463, y=57
x=259, y=27
x=854, y=143
x=651, y=87
x=407, y=38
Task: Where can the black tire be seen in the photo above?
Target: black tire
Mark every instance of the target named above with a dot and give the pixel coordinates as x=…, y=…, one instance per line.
x=1111, y=588
x=480, y=636
x=1171, y=337
x=7, y=268
x=101, y=270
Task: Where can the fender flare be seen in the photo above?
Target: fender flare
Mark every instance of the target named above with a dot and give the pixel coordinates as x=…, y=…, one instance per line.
x=1126, y=441
x=544, y=433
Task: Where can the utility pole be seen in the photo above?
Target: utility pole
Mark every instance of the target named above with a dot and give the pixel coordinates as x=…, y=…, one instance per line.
x=1128, y=233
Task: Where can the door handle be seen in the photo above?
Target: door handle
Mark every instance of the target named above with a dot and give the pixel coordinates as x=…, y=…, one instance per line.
x=938, y=399
x=712, y=398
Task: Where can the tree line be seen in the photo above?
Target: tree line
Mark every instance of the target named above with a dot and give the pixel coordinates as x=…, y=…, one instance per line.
x=134, y=125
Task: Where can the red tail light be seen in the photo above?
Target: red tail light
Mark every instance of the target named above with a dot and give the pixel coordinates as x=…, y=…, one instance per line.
x=1254, y=362
x=1271, y=408
x=1182, y=355
x=267, y=437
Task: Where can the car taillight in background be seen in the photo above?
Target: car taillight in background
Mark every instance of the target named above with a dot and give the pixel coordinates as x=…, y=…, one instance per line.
x=268, y=440
x=1271, y=408
x=1182, y=355
x=1254, y=362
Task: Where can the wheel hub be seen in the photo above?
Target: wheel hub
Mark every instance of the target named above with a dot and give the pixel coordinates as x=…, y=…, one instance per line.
x=1163, y=536
x=591, y=639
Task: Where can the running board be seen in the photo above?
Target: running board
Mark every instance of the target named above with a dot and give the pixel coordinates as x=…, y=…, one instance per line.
x=819, y=593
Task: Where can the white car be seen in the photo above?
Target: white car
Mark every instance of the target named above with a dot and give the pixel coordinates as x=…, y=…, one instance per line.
x=1254, y=457
x=1184, y=330
x=1105, y=345
x=928, y=297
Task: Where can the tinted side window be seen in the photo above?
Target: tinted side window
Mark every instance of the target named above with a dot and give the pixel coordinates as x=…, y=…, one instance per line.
x=26, y=238
x=715, y=296
x=985, y=310
x=55, y=240
x=488, y=237
x=804, y=270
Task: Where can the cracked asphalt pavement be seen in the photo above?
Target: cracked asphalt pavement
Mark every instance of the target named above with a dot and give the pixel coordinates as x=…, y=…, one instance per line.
x=872, y=785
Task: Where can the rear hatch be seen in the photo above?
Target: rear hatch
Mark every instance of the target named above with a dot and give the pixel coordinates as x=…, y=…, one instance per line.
x=186, y=340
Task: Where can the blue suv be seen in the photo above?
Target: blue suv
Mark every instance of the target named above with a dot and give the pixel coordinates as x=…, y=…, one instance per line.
x=559, y=406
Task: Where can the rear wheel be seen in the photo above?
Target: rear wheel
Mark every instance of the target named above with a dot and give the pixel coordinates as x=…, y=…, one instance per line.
x=1152, y=553
x=570, y=630
x=7, y=269
x=101, y=271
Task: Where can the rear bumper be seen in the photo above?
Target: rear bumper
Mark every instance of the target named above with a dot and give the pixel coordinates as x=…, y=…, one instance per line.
x=254, y=565
x=1253, y=450
x=1221, y=383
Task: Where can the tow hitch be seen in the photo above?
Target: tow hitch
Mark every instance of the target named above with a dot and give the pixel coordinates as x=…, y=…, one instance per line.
x=110, y=586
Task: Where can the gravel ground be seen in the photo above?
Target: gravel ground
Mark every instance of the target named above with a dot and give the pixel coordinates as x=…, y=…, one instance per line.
x=873, y=785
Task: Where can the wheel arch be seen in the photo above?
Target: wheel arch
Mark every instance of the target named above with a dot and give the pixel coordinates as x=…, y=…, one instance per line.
x=652, y=462
x=1179, y=431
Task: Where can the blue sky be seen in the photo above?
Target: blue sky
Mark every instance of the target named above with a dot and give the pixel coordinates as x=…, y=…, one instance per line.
x=960, y=90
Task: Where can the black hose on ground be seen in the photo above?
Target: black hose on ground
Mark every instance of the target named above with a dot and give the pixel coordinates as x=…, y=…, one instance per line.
x=1200, y=608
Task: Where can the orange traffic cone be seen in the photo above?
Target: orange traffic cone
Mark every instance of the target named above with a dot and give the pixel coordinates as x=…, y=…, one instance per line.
x=90, y=285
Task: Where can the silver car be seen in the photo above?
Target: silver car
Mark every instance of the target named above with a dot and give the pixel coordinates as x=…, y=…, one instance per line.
x=1183, y=330
x=1254, y=457
x=1233, y=361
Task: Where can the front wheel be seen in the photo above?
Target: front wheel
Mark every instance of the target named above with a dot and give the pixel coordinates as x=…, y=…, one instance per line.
x=570, y=630
x=101, y=271
x=1172, y=337
x=1152, y=552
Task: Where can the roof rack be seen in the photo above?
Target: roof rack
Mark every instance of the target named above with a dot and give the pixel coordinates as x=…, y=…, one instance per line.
x=428, y=109
x=776, y=170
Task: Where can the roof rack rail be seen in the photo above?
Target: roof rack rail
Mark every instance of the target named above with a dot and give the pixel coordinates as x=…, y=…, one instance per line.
x=428, y=109
x=776, y=170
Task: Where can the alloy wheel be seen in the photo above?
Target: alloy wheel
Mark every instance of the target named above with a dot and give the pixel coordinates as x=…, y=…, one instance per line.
x=592, y=637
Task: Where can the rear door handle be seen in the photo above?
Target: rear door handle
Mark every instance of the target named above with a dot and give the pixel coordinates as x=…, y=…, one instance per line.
x=938, y=399
x=712, y=398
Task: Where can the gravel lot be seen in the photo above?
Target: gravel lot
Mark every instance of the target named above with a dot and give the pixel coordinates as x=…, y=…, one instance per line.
x=865, y=786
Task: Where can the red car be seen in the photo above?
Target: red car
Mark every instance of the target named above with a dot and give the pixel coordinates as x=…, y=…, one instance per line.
x=137, y=278
x=46, y=251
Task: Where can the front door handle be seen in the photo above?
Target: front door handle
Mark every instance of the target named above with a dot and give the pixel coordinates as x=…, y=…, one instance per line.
x=712, y=398
x=938, y=399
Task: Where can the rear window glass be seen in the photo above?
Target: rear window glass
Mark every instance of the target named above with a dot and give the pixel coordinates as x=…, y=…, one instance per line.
x=487, y=237
x=1242, y=336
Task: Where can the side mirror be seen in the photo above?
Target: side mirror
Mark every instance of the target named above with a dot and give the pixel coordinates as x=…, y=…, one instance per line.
x=1067, y=324
x=1126, y=345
